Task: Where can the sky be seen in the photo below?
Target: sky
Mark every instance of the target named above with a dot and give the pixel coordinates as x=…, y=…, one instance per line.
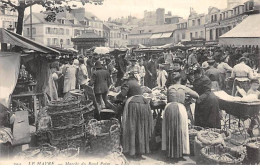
x=119, y=8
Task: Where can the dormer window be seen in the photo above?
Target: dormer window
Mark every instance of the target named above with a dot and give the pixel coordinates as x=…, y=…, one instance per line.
x=62, y=21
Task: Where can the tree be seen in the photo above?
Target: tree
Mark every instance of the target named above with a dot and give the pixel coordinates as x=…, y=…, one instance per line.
x=52, y=8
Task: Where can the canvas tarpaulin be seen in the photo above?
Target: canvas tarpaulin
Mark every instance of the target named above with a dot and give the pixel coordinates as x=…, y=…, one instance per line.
x=9, y=64
x=18, y=40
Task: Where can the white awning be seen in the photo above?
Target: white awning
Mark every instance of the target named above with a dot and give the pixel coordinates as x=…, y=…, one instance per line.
x=154, y=36
x=166, y=35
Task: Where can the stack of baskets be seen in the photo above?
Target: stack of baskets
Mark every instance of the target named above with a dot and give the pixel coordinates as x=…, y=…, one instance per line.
x=104, y=135
x=205, y=138
x=68, y=124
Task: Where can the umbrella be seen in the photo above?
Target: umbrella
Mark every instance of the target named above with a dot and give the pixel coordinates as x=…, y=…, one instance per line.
x=101, y=50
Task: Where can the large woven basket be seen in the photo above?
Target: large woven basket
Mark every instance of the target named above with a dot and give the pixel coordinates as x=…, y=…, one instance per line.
x=104, y=135
x=57, y=106
x=226, y=134
x=69, y=117
x=220, y=155
x=73, y=142
x=193, y=131
x=253, y=150
x=67, y=131
x=200, y=141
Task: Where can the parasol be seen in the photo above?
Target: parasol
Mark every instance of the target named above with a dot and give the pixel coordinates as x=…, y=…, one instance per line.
x=101, y=50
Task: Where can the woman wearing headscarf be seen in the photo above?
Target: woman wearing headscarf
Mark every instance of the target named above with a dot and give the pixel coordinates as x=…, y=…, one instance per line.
x=207, y=106
x=175, y=136
x=137, y=120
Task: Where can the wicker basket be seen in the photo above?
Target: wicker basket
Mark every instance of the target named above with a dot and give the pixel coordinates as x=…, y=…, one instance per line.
x=65, y=118
x=73, y=142
x=104, y=135
x=220, y=155
x=57, y=106
x=193, y=131
x=253, y=150
x=69, y=153
x=226, y=134
x=198, y=144
x=67, y=132
x=41, y=137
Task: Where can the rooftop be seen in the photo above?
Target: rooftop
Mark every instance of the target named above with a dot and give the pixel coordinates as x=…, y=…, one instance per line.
x=154, y=29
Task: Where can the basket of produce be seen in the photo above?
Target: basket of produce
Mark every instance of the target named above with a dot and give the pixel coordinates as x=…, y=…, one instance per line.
x=69, y=104
x=69, y=153
x=205, y=138
x=226, y=134
x=67, y=131
x=220, y=155
x=253, y=150
x=68, y=117
x=104, y=135
x=193, y=131
x=75, y=142
x=44, y=151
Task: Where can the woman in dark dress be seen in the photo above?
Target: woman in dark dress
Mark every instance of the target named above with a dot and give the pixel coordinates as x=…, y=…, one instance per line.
x=207, y=106
x=137, y=118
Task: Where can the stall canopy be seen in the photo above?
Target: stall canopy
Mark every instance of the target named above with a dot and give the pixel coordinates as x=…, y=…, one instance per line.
x=18, y=40
x=166, y=35
x=245, y=33
x=157, y=35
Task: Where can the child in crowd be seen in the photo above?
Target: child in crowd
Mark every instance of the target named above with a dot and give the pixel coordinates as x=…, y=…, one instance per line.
x=142, y=71
x=161, y=76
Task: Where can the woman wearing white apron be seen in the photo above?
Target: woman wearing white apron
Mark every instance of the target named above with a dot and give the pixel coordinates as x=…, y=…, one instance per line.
x=175, y=136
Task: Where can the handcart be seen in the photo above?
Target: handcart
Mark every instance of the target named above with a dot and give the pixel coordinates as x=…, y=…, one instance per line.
x=239, y=116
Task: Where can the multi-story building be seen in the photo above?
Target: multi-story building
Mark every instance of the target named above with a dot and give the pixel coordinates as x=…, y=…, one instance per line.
x=153, y=17
x=181, y=33
x=221, y=21
x=117, y=35
x=66, y=26
x=152, y=35
x=195, y=28
x=57, y=33
x=8, y=19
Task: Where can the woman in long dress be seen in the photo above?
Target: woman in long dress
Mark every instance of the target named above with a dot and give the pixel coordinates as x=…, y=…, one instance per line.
x=137, y=119
x=175, y=136
x=69, y=71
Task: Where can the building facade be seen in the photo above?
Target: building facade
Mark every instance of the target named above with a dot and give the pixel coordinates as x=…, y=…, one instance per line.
x=181, y=33
x=222, y=21
x=8, y=19
x=152, y=35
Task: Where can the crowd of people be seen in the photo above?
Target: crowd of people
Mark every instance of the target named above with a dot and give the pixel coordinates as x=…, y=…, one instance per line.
x=195, y=72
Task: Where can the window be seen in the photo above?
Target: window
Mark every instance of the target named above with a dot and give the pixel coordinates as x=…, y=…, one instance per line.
x=67, y=31
x=183, y=36
x=55, y=31
x=216, y=18
x=99, y=33
x=201, y=34
x=190, y=35
x=220, y=17
x=178, y=26
x=211, y=34
x=33, y=30
x=251, y=5
x=61, y=31
x=68, y=41
x=126, y=37
x=28, y=31
x=198, y=21
x=62, y=21
x=48, y=41
x=193, y=22
x=196, y=34
x=48, y=30
x=212, y=18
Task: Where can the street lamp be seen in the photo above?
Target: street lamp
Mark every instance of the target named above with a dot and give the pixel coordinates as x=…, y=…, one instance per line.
x=61, y=42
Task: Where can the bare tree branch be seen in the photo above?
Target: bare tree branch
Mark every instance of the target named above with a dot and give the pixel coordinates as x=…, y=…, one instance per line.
x=9, y=3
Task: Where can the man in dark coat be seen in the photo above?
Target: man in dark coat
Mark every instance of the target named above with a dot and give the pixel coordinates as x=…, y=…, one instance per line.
x=101, y=81
x=121, y=68
x=151, y=72
x=90, y=65
x=207, y=106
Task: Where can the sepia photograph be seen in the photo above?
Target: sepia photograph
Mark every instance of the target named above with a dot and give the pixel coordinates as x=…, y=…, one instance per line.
x=129, y=82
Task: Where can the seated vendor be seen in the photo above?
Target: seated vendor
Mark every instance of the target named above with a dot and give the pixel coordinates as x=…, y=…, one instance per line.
x=256, y=119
